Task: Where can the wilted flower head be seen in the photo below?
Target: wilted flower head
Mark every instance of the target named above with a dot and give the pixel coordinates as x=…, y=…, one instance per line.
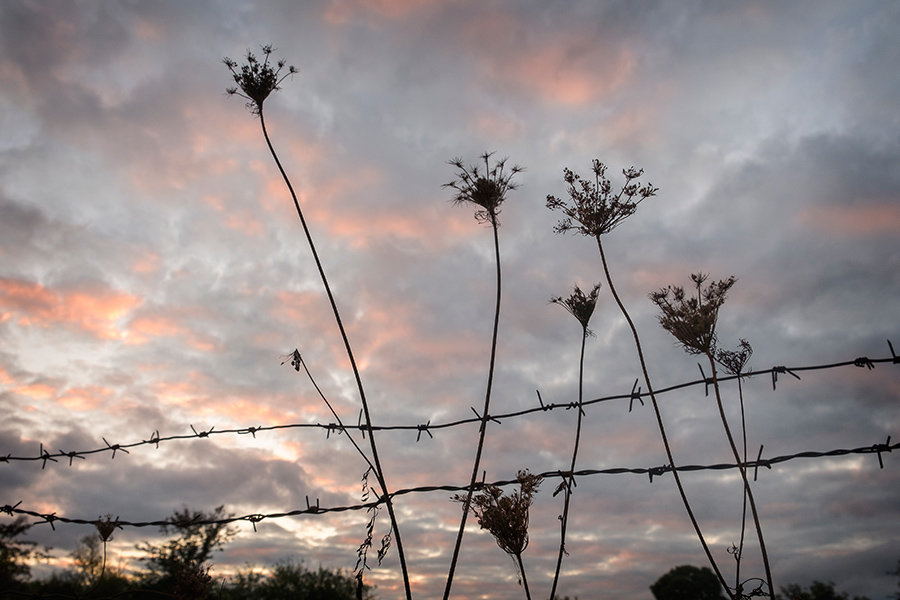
x=486, y=189
x=106, y=527
x=735, y=361
x=506, y=517
x=595, y=209
x=256, y=80
x=581, y=306
x=692, y=320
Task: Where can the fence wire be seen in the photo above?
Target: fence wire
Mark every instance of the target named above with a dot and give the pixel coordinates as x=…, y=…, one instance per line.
x=45, y=455
x=315, y=509
x=108, y=524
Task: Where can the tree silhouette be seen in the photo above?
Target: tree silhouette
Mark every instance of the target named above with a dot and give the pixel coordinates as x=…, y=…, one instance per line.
x=687, y=583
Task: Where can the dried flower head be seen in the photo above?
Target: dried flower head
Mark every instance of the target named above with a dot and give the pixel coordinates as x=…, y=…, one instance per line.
x=595, y=209
x=735, y=361
x=692, y=319
x=256, y=80
x=486, y=189
x=581, y=306
x=106, y=527
x=506, y=517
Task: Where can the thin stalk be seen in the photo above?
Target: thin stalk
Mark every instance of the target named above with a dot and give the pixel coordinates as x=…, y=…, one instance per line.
x=743, y=469
x=362, y=394
x=524, y=578
x=484, y=418
x=659, y=422
x=740, y=550
x=568, y=484
x=336, y=416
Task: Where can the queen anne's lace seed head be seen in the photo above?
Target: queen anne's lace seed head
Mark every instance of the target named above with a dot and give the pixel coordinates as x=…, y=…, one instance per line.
x=486, y=188
x=580, y=305
x=692, y=319
x=594, y=208
x=256, y=79
x=506, y=517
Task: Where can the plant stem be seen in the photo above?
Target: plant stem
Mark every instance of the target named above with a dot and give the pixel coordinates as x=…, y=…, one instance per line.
x=524, y=578
x=743, y=469
x=484, y=417
x=564, y=521
x=740, y=551
x=659, y=422
x=336, y=416
x=362, y=394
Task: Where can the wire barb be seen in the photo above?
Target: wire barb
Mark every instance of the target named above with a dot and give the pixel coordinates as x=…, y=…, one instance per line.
x=635, y=395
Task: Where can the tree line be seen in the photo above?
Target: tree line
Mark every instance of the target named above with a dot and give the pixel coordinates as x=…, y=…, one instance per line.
x=178, y=568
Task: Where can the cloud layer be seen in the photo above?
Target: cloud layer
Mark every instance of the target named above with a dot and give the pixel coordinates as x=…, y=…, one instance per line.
x=153, y=274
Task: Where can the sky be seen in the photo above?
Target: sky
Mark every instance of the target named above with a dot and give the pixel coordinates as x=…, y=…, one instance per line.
x=154, y=275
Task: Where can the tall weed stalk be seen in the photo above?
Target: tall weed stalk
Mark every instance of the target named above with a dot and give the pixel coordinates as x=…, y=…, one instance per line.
x=256, y=80
x=486, y=189
x=581, y=306
x=594, y=211
x=692, y=320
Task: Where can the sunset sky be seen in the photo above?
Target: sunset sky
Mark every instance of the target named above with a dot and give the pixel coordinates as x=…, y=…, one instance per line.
x=153, y=275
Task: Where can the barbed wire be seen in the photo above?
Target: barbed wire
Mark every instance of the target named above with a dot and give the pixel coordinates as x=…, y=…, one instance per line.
x=108, y=524
x=45, y=455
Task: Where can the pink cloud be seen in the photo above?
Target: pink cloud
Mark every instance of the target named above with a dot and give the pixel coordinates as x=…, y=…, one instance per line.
x=144, y=328
x=85, y=398
x=93, y=309
x=339, y=12
x=552, y=69
x=853, y=221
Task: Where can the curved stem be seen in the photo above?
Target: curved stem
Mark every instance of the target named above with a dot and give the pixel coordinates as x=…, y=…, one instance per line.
x=564, y=521
x=484, y=419
x=659, y=422
x=362, y=394
x=743, y=469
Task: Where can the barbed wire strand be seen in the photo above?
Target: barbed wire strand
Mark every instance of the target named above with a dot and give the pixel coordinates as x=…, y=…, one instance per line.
x=315, y=509
x=45, y=455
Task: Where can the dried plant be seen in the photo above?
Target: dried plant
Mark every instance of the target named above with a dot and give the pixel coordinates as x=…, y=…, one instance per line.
x=105, y=528
x=594, y=210
x=506, y=517
x=692, y=320
x=487, y=190
x=256, y=81
x=581, y=306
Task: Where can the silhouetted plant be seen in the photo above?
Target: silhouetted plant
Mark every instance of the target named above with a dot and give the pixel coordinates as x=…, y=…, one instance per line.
x=593, y=210
x=691, y=319
x=506, y=517
x=735, y=362
x=581, y=306
x=486, y=189
x=256, y=81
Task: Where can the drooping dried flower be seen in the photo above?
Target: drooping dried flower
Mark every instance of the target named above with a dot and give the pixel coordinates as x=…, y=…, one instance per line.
x=485, y=189
x=735, y=361
x=580, y=306
x=506, y=517
x=595, y=209
x=692, y=320
x=256, y=80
